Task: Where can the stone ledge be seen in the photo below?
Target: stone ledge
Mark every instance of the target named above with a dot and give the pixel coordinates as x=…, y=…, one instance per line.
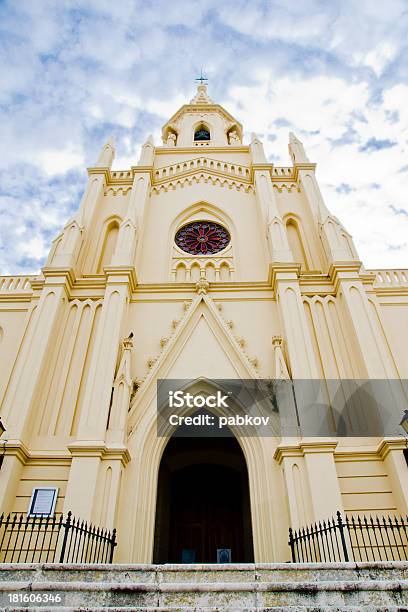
x=199, y=587
x=213, y=567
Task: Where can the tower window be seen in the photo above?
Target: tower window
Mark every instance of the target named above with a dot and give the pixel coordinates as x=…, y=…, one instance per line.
x=202, y=133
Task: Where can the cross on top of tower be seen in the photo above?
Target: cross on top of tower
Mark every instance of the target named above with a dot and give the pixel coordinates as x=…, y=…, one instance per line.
x=202, y=79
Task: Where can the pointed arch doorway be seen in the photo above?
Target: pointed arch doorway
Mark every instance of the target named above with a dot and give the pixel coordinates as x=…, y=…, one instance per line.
x=203, y=502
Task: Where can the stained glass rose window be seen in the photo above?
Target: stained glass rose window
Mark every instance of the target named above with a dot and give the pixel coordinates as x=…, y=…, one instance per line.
x=202, y=238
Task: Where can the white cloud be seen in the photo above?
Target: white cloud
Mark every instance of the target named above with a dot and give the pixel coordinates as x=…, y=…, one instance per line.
x=59, y=162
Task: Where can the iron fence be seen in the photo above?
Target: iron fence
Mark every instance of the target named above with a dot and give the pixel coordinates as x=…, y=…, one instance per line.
x=351, y=539
x=45, y=539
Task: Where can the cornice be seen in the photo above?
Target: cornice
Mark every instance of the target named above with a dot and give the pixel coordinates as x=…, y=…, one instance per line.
x=16, y=448
x=231, y=286
x=344, y=270
x=194, y=150
x=389, y=444
x=98, y=448
x=299, y=167
x=105, y=172
x=53, y=276
x=122, y=272
x=391, y=291
x=263, y=166
x=283, y=271
x=316, y=446
x=16, y=297
x=302, y=448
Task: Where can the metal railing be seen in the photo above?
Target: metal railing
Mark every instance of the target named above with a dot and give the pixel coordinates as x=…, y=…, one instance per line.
x=351, y=539
x=46, y=539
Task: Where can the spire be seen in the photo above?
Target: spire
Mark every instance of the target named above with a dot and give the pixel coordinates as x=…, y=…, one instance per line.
x=257, y=150
x=201, y=96
x=147, y=155
x=107, y=154
x=297, y=150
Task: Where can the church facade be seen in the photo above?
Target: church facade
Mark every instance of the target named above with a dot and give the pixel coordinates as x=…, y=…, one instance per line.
x=204, y=261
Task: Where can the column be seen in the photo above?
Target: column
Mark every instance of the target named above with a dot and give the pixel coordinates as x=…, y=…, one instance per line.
x=20, y=399
x=324, y=485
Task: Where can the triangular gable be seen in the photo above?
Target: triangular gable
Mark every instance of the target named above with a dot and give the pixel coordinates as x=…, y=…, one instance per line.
x=201, y=317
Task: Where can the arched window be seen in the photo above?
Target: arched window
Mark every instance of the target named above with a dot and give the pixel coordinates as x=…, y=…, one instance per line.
x=202, y=133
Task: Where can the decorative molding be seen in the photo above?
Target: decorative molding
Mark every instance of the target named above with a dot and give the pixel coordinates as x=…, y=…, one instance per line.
x=299, y=449
x=289, y=187
x=203, y=176
x=120, y=190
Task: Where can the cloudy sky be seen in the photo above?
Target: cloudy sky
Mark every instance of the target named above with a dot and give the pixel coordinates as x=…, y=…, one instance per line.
x=74, y=72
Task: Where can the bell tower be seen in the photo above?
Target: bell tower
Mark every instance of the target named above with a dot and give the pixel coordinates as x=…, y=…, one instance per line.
x=201, y=123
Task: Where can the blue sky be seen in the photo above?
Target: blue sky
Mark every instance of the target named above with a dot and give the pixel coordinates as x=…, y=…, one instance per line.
x=74, y=72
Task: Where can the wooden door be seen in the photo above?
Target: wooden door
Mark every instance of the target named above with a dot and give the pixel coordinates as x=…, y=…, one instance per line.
x=205, y=513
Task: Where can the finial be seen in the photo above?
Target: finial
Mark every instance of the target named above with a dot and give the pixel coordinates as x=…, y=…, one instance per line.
x=147, y=154
x=107, y=154
x=297, y=150
x=202, y=79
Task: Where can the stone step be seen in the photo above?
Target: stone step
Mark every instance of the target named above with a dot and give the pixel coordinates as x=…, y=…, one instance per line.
x=368, y=586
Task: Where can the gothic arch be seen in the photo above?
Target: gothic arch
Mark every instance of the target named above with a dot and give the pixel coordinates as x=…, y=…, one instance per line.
x=204, y=125
x=297, y=240
x=181, y=273
x=210, y=271
x=225, y=271
x=150, y=454
x=201, y=210
x=107, y=243
x=56, y=248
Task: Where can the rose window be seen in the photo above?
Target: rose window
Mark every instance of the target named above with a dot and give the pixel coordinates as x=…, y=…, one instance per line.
x=202, y=238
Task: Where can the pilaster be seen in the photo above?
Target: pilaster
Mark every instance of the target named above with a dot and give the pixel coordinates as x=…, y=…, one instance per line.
x=323, y=497
x=302, y=360
x=20, y=398
x=376, y=357
x=270, y=216
x=391, y=452
x=92, y=429
x=133, y=223
x=323, y=480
